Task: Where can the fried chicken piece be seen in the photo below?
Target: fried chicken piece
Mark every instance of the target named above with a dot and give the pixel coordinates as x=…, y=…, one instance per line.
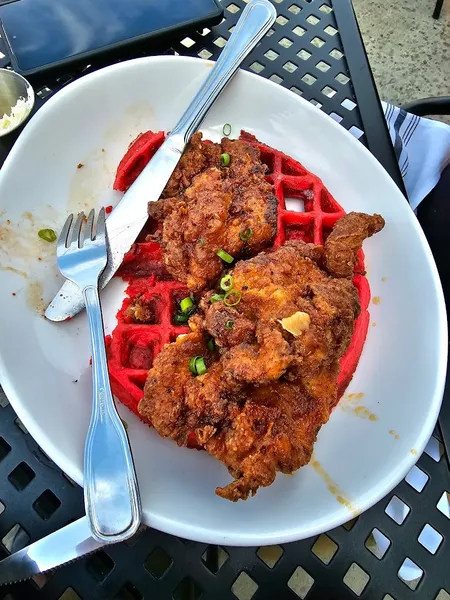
x=342, y=245
x=231, y=209
x=274, y=286
x=197, y=157
x=163, y=403
x=274, y=431
x=254, y=430
x=193, y=231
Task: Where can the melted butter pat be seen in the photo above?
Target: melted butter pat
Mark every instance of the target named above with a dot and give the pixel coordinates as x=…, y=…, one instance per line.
x=333, y=487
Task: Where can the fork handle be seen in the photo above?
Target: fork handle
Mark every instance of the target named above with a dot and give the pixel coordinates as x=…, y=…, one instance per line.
x=110, y=486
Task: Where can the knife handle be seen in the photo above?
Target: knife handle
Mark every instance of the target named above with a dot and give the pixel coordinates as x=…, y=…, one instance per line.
x=254, y=23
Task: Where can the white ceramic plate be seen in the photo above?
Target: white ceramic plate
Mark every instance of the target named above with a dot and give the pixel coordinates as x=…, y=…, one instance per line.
x=402, y=369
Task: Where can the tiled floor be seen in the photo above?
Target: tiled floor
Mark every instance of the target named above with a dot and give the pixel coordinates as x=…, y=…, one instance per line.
x=409, y=51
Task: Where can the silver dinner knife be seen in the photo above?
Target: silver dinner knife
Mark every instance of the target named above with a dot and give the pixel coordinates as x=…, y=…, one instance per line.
x=65, y=545
x=130, y=215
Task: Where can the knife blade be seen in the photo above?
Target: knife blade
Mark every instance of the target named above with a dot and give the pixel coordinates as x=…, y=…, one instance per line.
x=128, y=218
x=60, y=547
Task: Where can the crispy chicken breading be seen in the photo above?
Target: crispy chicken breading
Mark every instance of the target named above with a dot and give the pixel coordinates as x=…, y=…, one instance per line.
x=343, y=243
x=231, y=208
x=255, y=430
x=197, y=157
x=272, y=378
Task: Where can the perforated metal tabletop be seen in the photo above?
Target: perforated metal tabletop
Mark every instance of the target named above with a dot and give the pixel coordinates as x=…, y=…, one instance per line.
x=396, y=550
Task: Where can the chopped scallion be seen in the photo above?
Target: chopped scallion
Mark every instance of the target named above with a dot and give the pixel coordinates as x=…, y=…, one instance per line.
x=226, y=129
x=192, y=365
x=216, y=298
x=229, y=324
x=181, y=318
x=48, y=235
x=226, y=283
x=225, y=159
x=225, y=256
x=186, y=304
x=232, y=298
x=200, y=366
x=197, y=365
x=246, y=234
x=211, y=345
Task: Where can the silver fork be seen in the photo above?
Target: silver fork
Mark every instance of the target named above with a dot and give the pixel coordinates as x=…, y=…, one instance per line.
x=111, y=493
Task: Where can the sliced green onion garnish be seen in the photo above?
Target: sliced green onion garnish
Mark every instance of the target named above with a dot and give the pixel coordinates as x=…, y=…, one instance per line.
x=186, y=304
x=216, y=298
x=226, y=283
x=232, y=298
x=197, y=365
x=226, y=129
x=200, y=366
x=211, y=345
x=181, y=318
x=225, y=159
x=201, y=242
x=225, y=256
x=229, y=324
x=246, y=234
x=192, y=365
x=48, y=235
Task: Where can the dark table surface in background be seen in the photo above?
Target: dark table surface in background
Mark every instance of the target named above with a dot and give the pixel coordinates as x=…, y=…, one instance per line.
x=396, y=550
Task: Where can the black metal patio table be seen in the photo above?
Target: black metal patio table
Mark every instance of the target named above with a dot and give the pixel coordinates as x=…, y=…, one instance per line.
x=396, y=550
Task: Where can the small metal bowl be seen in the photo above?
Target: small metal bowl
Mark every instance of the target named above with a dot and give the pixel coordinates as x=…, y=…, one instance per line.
x=13, y=87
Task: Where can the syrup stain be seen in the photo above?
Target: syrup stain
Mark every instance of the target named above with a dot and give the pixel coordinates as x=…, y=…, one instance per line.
x=364, y=413
x=16, y=271
x=333, y=487
x=359, y=411
x=35, y=298
x=384, y=279
x=20, y=243
x=356, y=397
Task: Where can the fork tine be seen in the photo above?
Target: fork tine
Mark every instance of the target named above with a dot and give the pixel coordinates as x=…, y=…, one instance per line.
x=100, y=228
x=89, y=229
x=62, y=240
x=75, y=241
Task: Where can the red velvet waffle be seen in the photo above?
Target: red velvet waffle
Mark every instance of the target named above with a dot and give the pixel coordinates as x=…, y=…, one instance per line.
x=133, y=345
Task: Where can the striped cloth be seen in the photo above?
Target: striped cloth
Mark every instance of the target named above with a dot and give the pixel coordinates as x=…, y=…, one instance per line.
x=422, y=148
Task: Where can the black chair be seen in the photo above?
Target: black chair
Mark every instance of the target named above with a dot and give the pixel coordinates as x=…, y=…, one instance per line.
x=437, y=9
x=434, y=216
x=429, y=106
